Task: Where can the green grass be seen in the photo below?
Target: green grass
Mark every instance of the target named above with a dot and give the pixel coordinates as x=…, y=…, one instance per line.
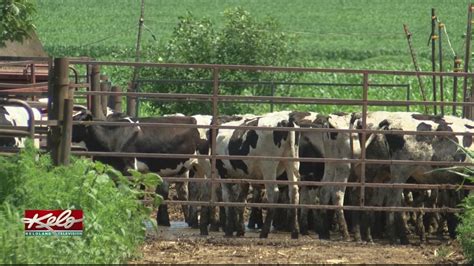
x=333, y=29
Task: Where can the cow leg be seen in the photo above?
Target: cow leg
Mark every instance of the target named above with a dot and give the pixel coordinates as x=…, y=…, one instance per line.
x=304, y=212
x=394, y=219
x=230, y=216
x=293, y=193
x=342, y=174
x=182, y=192
x=256, y=216
x=240, y=226
x=272, y=193
x=162, y=216
x=321, y=220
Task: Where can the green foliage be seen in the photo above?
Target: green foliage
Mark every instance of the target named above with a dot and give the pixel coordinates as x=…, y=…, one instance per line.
x=243, y=40
x=16, y=20
x=114, y=219
x=466, y=228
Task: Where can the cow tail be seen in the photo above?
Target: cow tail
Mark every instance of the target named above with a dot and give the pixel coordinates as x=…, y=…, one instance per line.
x=294, y=139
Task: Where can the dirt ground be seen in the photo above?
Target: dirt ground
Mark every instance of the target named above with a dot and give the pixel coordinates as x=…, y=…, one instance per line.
x=181, y=244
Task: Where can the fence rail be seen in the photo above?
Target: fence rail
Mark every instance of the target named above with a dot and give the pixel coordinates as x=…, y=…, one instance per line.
x=61, y=94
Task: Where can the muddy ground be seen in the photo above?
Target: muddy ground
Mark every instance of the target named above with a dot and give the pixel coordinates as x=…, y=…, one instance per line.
x=181, y=244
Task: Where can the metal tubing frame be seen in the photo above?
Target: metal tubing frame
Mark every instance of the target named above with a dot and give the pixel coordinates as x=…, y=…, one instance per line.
x=215, y=99
x=13, y=129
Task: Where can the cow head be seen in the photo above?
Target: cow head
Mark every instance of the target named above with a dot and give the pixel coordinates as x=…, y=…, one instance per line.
x=79, y=132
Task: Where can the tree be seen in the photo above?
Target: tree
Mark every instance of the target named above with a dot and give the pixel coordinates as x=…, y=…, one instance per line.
x=16, y=20
x=243, y=40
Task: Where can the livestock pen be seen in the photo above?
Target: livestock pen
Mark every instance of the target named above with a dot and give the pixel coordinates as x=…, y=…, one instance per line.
x=62, y=92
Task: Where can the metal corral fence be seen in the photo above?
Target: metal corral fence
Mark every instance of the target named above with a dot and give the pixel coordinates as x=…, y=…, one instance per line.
x=61, y=94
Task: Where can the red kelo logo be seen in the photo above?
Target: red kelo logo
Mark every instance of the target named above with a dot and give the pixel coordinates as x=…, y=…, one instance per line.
x=53, y=222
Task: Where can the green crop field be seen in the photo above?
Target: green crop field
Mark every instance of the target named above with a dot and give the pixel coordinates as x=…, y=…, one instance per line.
x=331, y=29
x=358, y=34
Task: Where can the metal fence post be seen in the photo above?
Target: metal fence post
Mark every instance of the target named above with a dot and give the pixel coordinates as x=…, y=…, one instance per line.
x=104, y=87
x=59, y=94
x=365, y=94
x=96, y=108
x=115, y=101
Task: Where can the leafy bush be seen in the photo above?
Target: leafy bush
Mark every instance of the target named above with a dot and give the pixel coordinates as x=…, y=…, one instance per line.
x=114, y=219
x=466, y=228
x=242, y=40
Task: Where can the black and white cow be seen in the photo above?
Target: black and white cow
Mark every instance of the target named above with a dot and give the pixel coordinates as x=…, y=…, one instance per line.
x=141, y=139
x=16, y=116
x=257, y=143
x=414, y=148
x=281, y=143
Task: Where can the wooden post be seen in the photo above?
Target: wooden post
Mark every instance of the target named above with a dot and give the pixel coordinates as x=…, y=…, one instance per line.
x=131, y=101
x=467, y=58
x=433, y=55
x=96, y=99
x=60, y=92
x=115, y=102
x=104, y=87
x=66, y=137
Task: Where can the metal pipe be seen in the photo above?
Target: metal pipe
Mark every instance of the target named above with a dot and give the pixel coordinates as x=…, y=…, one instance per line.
x=440, y=55
x=457, y=64
x=467, y=56
x=433, y=55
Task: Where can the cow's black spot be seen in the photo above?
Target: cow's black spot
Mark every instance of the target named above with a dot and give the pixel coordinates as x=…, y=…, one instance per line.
x=298, y=116
x=446, y=127
x=469, y=126
x=424, y=127
x=354, y=117
x=395, y=142
x=240, y=146
x=467, y=141
x=221, y=169
x=435, y=118
x=227, y=118
x=333, y=135
x=460, y=156
x=278, y=135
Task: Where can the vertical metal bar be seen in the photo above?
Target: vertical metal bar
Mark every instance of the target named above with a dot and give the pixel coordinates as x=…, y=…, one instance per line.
x=131, y=101
x=273, y=94
x=457, y=64
x=115, y=102
x=88, y=79
x=60, y=92
x=433, y=55
x=33, y=78
x=96, y=99
x=104, y=87
x=215, y=113
x=440, y=58
x=66, y=136
x=50, y=89
x=467, y=57
x=408, y=96
x=471, y=99
x=365, y=93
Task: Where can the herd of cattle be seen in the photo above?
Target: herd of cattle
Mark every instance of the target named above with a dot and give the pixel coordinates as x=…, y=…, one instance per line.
x=278, y=135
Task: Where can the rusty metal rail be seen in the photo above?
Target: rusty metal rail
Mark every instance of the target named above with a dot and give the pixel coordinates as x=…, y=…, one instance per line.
x=214, y=98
